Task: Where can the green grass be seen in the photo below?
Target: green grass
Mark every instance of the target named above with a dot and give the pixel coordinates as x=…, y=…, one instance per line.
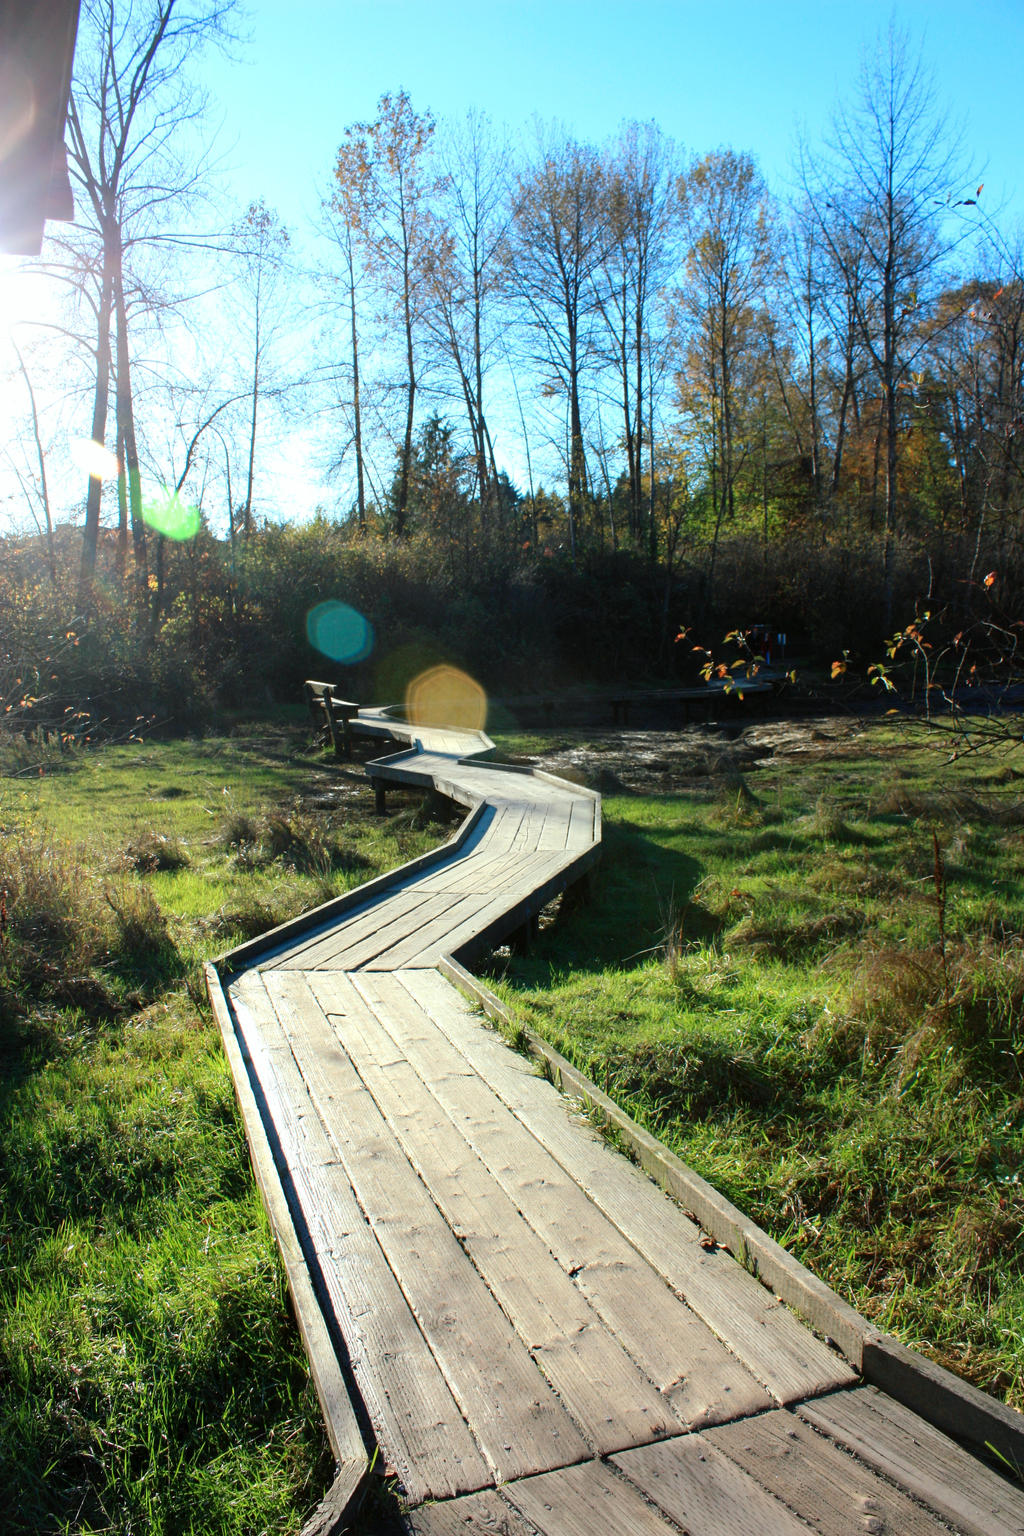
x=761, y=978
x=151, y=1377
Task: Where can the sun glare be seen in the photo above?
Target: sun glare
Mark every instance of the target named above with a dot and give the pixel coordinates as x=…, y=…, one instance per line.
x=446, y=696
x=95, y=460
x=168, y=514
x=339, y=631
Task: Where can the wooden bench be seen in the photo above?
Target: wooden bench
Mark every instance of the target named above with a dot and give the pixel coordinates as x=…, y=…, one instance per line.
x=331, y=716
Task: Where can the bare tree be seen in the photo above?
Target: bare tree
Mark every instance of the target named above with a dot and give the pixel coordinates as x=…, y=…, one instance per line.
x=465, y=280
x=876, y=192
x=729, y=251
x=342, y=220
x=42, y=487
x=130, y=100
x=387, y=184
x=639, y=256
x=972, y=386
x=260, y=247
x=558, y=242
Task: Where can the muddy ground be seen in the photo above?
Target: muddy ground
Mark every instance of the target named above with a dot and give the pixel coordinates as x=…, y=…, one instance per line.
x=656, y=762
x=624, y=761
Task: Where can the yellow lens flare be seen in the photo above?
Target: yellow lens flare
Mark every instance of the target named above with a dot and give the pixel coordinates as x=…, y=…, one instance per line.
x=446, y=696
x=95, y=460
x=169, y=515
x=338, y=631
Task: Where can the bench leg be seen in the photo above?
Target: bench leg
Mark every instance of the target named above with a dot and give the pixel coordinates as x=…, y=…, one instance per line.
x=379, y=796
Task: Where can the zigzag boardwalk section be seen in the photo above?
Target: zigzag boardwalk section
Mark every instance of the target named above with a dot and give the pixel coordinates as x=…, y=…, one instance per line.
x=530, y=1336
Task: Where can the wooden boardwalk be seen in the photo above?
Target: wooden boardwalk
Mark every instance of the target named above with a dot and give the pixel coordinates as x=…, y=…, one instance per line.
x=530, y=1334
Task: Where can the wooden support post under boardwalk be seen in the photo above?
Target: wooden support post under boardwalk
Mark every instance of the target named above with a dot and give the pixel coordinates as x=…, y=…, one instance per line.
x=579, y=892
x=522, y=940
x=380, y=796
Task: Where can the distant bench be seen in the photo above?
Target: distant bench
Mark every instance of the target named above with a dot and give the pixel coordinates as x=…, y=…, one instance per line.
x=332, y=717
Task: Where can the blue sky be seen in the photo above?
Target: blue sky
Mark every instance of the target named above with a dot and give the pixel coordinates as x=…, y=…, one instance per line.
x=745, y=73
x=749, y=73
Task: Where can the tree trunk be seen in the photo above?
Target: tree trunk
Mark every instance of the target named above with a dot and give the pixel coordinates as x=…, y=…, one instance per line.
x=356, y=406
x=247, y=509
x=401, y=508
x=121, y=556
x=101, y=398
x=128, y=450
x=889, y=369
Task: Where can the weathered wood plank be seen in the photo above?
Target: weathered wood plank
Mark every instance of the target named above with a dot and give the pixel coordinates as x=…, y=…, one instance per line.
x=582, y=824
x=419, y=1424
x=412, y=911
x=339, y=1504
x=530, y=829
x=441, y=915
x=779, y=1351
x=478, y=1514
x=589, y=1500
x=554, y=834
x=945, y=1400
x=448, y=937
x=488, y=869
x=314, y=934
x=810, y=1474
x=362, y=918
x=507, y=822
x=508, y=913
x=482, y=872
x=702, y=1490
x=612, y=1402
x=897, y=1442
x=504, y=1397
x=702, y=1380
x=399, y=914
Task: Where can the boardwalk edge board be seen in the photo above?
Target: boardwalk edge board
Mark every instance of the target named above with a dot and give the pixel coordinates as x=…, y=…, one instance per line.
x=352, y=1461
x=939, y=1396
x=338, y=906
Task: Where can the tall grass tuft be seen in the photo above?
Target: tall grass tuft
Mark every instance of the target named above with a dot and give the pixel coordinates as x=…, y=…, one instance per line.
x=151, y=851
x=53, y=908
x=70, y=940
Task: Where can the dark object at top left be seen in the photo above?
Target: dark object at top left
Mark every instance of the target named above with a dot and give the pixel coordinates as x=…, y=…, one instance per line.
x=37, y=46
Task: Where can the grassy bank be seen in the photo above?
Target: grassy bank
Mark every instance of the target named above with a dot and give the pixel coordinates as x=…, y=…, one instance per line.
x=151, y=1377
x=808, y=978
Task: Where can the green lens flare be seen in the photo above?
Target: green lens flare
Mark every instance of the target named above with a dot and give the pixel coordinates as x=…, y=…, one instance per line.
x=169, y=515
x=339, y=632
